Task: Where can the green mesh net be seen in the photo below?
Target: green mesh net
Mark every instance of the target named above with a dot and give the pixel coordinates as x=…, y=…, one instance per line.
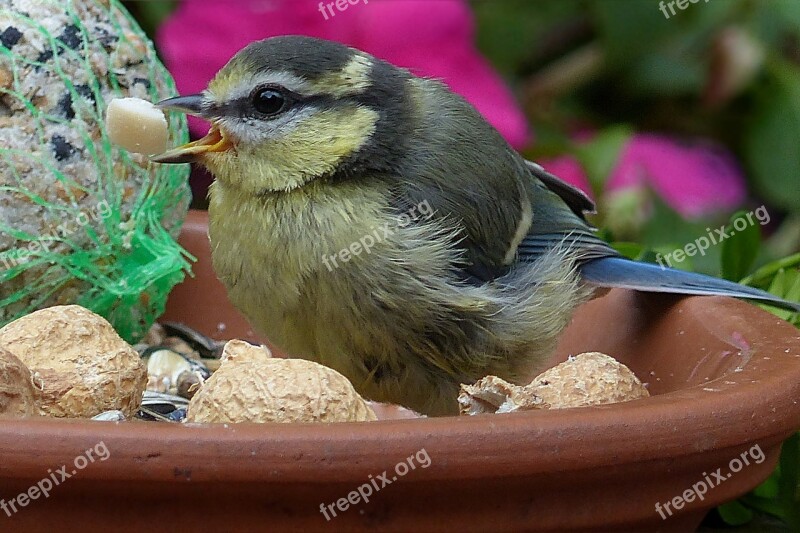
x=82, y=221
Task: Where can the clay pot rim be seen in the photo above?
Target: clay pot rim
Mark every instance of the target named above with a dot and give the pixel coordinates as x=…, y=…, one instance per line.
x=656, y=431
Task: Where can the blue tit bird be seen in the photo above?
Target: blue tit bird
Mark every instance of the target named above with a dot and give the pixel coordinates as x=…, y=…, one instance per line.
x=374, y=222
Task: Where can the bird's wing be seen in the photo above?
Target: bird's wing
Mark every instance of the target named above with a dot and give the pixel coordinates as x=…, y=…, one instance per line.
x=559, y=219
x=601, y=266
x=483, y=219
x=518, y=216
x=526, y=212
x=577, y=200
x=627, y=274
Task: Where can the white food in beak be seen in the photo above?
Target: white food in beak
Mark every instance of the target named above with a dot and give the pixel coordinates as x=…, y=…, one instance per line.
x=137, y=125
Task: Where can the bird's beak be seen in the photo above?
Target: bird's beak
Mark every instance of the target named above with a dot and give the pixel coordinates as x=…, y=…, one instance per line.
x=214, y=141
x=191, y=105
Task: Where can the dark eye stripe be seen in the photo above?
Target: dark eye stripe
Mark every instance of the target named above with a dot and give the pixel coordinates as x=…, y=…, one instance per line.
x=243, y=107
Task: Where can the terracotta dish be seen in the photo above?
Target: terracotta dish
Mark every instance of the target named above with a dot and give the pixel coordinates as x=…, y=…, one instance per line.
x=724, y=375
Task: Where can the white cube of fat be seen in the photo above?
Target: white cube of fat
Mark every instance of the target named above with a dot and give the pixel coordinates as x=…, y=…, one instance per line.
x=137, y=125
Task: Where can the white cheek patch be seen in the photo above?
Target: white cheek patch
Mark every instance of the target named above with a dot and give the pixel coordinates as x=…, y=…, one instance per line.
x=251, y=130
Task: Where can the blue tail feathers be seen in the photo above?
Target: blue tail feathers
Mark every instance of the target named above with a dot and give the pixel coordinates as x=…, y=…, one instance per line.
x=627, y=274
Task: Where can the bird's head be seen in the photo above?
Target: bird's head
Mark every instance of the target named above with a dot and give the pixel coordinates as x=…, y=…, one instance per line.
x=289, y=110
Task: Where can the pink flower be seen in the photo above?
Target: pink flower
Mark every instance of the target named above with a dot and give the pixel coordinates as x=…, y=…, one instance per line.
x=432, y=39
x=695, y=178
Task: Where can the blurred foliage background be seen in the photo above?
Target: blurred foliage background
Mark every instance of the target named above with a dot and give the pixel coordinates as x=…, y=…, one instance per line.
x=723, y=70
x=728, y=71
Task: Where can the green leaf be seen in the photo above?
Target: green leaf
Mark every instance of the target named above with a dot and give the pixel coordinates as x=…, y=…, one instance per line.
x=790, y=480
x=740, y=249
x=772, y=21
x=666, y=75
x=786, y=284
x=511, y=33
x=764, y=275
x=629, y=28
x=771, y=147
x=788, y=10
x=770, y=488
x=150, y=15
x=666, y=232
x=793, y=288
x=734, y=513
x=782, y=499
x=599, y=156
x=770, y=506
x=631, y=250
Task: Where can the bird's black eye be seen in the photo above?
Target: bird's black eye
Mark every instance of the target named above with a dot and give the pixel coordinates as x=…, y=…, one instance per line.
x=269, y=101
